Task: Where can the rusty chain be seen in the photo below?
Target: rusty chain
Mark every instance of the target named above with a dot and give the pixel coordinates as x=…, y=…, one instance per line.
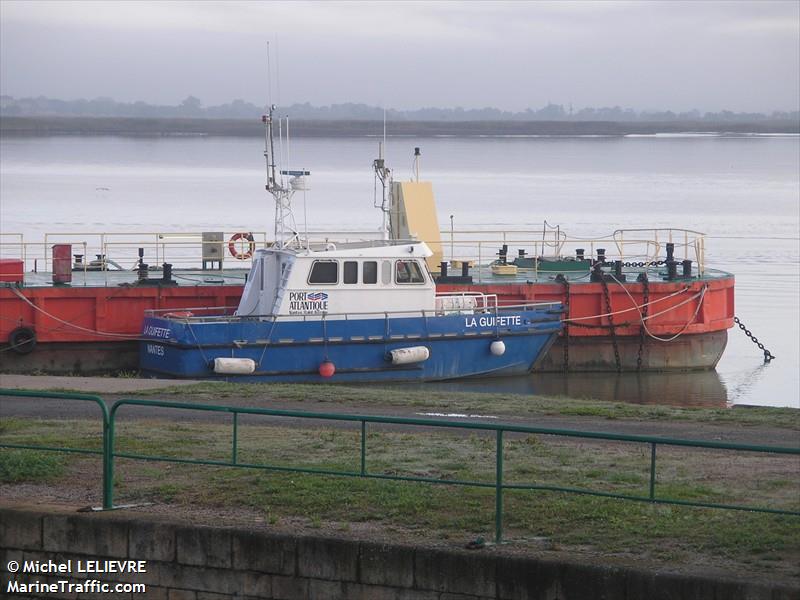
x=562, y=278
x=611, y=329
x=645, y=302
x=768, y=356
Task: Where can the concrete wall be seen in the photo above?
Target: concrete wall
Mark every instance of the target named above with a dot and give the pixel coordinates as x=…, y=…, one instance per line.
x=186, y=562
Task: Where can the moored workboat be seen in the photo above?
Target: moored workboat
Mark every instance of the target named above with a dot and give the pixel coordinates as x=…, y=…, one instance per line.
x=361, y=313
x=364, y=311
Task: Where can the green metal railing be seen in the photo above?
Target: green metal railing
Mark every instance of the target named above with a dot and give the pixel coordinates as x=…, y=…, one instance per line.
x=109, y=452
x=108, y=500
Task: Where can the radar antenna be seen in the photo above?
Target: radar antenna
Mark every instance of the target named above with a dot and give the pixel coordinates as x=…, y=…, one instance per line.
x=282, y=191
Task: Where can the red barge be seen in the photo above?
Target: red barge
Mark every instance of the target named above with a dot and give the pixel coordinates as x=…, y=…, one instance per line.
x=657, y=308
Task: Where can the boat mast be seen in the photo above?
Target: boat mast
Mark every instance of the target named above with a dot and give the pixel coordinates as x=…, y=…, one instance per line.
x=285, y=228
x=384, y=175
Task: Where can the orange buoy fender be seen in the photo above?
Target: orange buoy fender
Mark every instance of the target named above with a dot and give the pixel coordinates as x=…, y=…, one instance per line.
x=327, y=369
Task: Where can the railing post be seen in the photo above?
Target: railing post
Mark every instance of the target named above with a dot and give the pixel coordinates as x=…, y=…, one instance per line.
x=235, y=437
x=498, y=489
x=480, y=277
x=653, y=471
x=363, y=448
x=108, y=465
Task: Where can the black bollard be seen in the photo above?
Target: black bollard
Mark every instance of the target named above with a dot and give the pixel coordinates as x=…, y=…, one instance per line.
x=597, y=273
x=672, y=269
x=503, y=254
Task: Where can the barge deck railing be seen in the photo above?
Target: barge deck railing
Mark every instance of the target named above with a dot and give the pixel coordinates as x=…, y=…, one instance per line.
x=189, y=250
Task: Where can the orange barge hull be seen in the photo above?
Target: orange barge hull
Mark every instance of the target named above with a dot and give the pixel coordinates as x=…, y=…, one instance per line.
x=94, y=329
x=687, y=322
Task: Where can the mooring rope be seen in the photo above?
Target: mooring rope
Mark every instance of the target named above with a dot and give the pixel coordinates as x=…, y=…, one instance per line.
x=701, y=294
x=634, y=307
x=123, y=336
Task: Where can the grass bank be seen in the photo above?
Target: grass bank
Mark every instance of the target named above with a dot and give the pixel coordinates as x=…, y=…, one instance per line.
x=441, y=513
x=510, y=405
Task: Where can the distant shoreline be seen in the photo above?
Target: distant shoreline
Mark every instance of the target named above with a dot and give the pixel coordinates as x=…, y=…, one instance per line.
x=141, y=127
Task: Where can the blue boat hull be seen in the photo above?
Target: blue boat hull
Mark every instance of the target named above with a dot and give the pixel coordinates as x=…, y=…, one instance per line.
x=292, y=351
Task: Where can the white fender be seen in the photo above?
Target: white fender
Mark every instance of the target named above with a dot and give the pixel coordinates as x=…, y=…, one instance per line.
x=234, y=366
x=497, y=348
x=407, y=356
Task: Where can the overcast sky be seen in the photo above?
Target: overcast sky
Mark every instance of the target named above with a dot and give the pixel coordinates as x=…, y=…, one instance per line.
x=741, y=56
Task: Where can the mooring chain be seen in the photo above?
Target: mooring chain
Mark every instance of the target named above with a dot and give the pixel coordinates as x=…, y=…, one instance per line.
x=768, y=356
x=645, y=302
x=611, y=329
x=654, y=263
x=561, y=278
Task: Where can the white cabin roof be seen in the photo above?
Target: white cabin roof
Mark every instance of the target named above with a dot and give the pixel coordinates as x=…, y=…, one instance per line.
x=335, y=280
x=375, y=249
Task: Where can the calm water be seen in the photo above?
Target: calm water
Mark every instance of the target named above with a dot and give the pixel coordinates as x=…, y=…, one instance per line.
x=743, y=192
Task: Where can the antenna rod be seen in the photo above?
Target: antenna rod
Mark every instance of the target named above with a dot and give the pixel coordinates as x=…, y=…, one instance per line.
x=271, y=143
x=269, y=78
x=265, y=121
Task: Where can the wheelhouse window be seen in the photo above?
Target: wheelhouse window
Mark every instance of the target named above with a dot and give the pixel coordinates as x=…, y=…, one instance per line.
x=408, y=271
x=370, y=272
x=350, y=272
x=324, y=272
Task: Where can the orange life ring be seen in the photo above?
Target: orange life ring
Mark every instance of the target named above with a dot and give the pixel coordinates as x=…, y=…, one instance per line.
x=251, y=246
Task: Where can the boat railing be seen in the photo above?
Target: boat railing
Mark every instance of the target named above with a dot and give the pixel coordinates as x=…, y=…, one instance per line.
x=688, y=243
x=118, y=251
x=634, y=247
x=454, y=301
x=107, y=252
x=226, y=313
x=192, y=312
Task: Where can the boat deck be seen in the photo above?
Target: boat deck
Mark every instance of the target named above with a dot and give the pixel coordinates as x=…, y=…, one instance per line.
x=484, y=275
x=114, y=278
x=234, y=277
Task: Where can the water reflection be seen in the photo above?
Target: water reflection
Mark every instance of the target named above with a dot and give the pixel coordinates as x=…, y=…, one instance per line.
x=741, y=384
x=697, y=388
